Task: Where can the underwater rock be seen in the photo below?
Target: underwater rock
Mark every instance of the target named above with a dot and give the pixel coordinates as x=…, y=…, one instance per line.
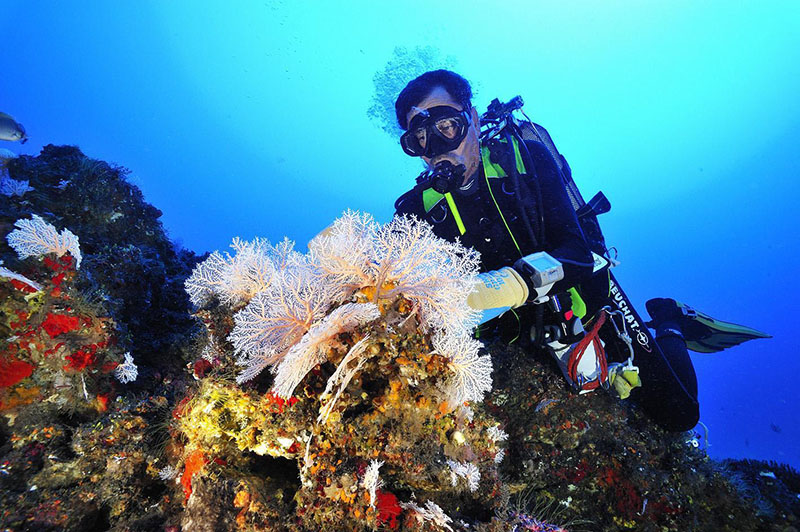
x=368, y=340
x=773, y=487
x=370, y=420
x=131, y=267
x=72, y=457
x=56, y=348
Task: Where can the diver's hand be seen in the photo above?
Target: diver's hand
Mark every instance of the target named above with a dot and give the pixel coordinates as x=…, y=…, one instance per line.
x=503, y=288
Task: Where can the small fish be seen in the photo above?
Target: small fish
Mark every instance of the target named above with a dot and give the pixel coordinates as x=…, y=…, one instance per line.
x=11, y=130
x=767, y=474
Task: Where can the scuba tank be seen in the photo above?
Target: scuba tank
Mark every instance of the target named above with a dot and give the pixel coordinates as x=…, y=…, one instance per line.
x=499, y=119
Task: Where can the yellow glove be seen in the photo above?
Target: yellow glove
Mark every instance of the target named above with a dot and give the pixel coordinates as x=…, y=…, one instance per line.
x=624, y=379
x=503, y=288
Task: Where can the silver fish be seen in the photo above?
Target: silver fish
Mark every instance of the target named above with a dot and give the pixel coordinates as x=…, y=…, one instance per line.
x=11, y=130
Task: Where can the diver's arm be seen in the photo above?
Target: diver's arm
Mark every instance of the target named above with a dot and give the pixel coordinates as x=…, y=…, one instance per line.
x=511, y=287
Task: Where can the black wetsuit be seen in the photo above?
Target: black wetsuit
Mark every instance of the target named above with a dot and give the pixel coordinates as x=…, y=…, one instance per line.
x=554, y=228
x=485, y=228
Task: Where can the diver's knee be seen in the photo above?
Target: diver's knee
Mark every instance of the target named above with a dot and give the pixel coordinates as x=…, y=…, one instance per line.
x=681, y=420
x=672, y=413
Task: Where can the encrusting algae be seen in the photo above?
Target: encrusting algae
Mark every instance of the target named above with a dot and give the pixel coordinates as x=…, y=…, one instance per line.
x=57, y=348
x=376, y=301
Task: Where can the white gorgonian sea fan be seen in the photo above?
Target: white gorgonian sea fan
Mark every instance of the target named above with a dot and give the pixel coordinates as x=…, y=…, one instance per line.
x=466, y=470
x=401, y=257
x=211, y=352
x=431, y=512
x=496, y=434
x=206, y=279
x=253, y=268
x=5, y=272
x=338, y=381
x=343, y=253
x=12, y=187
x=35, y=237
x=167, y=473
x=472, y=372
x=310, y=350
x=287, y=323
x=127, y=371
x=236, y=279
x=277, y=318
x=501, y=453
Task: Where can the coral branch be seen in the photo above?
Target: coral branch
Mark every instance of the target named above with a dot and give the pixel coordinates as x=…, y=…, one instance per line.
x=36, y=237
x=309, y=352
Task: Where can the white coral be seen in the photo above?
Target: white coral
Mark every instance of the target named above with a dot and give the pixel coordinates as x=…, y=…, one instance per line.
x=12, y=187
x=499, y=456
x=496, y=434
x=406, y=257
x=472, y=373
x=465, y=414
x=167, y=473
x=341, y=378
x=465, y=470
x=36, y=237
x=372, y=480
x=344, y=253
x=310, y=350
x=401, y=257
x=434, y=273
x=206, y=279
x=211, y=352
x=252, y=269
x=127, y=371
x=289, y=294
x=236, y=279
x=432, y=513
x=276, y=319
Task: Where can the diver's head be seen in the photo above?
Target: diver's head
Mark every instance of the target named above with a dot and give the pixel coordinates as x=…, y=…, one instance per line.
x=441, y=124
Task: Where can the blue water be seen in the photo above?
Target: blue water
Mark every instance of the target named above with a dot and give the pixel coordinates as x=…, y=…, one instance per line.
x=252, y=120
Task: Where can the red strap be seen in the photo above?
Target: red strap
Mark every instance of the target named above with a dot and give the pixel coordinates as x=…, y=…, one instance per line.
x=579, y=350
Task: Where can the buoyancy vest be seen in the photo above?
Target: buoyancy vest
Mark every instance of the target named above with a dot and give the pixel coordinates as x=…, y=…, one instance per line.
x=487, y=219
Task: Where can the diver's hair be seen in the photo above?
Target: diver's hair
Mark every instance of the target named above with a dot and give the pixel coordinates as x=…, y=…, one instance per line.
x=421, y=86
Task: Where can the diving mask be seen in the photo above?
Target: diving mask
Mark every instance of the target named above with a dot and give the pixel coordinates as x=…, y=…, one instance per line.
x=435, y=131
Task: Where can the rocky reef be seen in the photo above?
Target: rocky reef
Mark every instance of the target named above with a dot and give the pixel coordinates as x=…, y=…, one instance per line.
x=144, y=388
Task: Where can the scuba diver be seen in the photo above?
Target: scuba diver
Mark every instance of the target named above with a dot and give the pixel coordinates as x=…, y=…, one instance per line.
x=497, y=184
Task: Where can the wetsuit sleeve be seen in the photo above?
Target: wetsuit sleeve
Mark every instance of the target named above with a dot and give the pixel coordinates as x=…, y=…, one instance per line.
x=563, y=235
